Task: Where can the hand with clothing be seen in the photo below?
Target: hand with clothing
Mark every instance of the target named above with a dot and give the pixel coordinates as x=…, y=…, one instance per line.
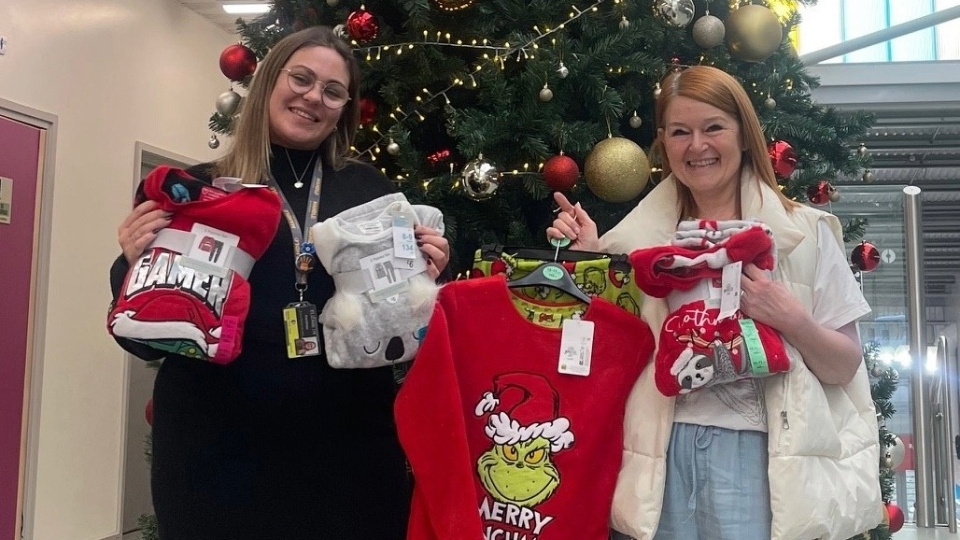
x=715, y=168
x=263, y=447
x=140, y=228
x=768, y=301
x=434, y=247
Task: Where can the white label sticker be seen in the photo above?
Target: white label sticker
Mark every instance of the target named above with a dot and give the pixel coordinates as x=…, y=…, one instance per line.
x=210, y=250
x=404, y=245
x=730, y=292
x=381, y=269
x=370, y=227
x=576, y=347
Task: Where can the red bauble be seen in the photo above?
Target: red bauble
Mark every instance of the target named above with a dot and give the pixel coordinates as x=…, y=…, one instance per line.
x=783, y=158
x=438, y=157
x=368, y=111
x=148, y=412
x=866, y=257
x=362, y=26
x=896, y=517
x=560, y=173
x=237, y=62
x=821, y=193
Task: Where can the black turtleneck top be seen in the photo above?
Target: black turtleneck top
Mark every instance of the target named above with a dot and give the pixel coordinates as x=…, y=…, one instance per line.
x=273, y=448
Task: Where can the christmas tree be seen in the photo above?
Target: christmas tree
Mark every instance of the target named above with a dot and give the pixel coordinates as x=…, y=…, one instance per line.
x=482, y=108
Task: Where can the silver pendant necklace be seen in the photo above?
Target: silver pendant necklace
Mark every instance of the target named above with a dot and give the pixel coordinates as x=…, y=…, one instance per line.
x=299, y=177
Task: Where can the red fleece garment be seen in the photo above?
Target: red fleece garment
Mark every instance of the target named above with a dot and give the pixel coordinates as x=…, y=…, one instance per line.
x=696, y=350
x=501, y=444
x=180, y=309
x=660, y=270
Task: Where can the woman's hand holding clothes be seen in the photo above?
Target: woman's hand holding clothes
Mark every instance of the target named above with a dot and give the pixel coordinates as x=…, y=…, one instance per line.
x=140, y=228
x=832, y=355
x=435, y=247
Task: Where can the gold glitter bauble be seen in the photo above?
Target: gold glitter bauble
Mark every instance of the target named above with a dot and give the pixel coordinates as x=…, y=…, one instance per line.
x=753, y=33
x=616, y=170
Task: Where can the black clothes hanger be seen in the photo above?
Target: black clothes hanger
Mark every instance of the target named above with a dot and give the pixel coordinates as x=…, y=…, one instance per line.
x=553, y=275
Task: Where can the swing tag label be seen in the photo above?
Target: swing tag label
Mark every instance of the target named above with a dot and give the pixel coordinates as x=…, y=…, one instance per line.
x=404, y=246
x=730, y=290
x=576, y=347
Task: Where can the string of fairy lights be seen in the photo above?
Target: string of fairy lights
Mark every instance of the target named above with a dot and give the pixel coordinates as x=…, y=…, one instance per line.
x=500, y=55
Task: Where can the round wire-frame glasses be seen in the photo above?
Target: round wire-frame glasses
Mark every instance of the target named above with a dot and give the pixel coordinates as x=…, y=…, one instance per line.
x=333, y=94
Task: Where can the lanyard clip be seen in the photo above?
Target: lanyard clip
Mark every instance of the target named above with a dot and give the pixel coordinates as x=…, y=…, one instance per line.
x=301, y=284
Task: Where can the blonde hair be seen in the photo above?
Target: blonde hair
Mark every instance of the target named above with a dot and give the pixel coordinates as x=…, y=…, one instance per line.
x=715, y=87
x=249, y=155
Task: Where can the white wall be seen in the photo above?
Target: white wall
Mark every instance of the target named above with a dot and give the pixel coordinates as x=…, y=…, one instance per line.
x=113, y=72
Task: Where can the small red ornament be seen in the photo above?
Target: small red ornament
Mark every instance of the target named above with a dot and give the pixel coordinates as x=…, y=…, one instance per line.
x=148, y=412
x=820, y=193
x=783, y=158
x=896, y=517
x=368, y=111
x=438, y=157
x=560, y=173
x=237, y=62
x=362, y=26
x=866, y=257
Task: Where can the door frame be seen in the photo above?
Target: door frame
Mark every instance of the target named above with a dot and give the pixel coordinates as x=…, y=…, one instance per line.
x=145, y=156
x=34, y=384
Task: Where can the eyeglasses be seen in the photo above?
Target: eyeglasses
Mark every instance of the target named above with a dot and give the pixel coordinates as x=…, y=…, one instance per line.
x=333, y=94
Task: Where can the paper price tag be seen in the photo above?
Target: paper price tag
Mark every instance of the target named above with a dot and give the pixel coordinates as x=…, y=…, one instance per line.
x=730, y=290
x=576, y=347
x=404, y=245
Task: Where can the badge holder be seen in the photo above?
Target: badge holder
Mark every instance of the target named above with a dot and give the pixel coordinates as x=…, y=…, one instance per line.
x=300, y=318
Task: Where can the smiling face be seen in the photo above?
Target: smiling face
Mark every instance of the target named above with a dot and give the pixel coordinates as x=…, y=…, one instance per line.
x=302, y=122
x=704, y=148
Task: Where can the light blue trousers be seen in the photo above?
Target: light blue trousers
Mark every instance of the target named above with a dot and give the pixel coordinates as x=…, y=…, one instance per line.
x=717, y=486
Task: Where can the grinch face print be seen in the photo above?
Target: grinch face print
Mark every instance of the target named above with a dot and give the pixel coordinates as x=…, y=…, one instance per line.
x=518, y=472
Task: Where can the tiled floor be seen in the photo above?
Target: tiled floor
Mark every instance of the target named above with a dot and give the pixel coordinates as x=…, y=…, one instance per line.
x=909, y=532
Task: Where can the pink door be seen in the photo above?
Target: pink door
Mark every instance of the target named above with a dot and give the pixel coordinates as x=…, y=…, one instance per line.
x=21, y=151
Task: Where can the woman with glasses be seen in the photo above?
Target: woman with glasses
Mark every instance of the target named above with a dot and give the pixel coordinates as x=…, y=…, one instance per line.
x=785, y=457
x=270, y=447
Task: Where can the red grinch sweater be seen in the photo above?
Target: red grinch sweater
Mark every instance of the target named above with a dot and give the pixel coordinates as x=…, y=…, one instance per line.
x=502, y=445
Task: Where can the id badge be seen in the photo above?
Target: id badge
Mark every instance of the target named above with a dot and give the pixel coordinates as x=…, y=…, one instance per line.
x=303, y=331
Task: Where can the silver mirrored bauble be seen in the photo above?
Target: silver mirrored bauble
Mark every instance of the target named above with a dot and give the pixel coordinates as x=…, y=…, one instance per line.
x=480, y=179
x=214, y=142
x=770, y=103
x=393, y=149
x=862, y=151
x=868, y=177
x=624, y=23
x=228, y=102
x=546, y=94
x=563, y=71
x=341, y=32
x=674, y=13
x=635, y=121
